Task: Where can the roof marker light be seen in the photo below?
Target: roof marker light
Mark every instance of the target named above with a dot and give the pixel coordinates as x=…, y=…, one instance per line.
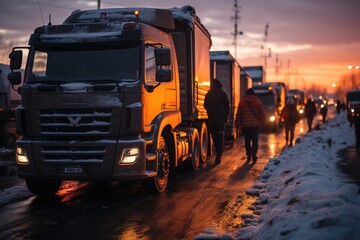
x=137, y=12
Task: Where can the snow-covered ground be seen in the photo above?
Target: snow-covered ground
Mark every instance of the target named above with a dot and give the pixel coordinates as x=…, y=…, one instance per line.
x=301, y=193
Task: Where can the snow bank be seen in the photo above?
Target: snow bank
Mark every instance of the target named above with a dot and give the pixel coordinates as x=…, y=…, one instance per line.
x=301, y=194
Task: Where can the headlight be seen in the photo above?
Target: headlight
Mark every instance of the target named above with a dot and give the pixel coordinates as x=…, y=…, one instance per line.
x=352, y=110
x=272, y=118
x=129, y=155
x=301, y=111
x=21, y=156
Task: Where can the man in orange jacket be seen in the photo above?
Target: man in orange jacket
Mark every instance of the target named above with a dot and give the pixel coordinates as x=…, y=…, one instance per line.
x=249, y=117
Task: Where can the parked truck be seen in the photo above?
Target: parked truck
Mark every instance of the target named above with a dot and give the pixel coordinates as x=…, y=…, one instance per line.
x=256, y=72
x=113, y=94
x=268, y=97
x=299, y=99
x=7, y=130
x=273, y=96
x=246, y=82
x=226, y=69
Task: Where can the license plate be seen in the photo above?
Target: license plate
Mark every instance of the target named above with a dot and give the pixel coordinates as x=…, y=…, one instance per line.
x=73, y=170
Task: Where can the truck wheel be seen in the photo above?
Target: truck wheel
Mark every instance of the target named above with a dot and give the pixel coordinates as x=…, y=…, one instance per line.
x=204, y=142
x=194, y=160
x=159, y=183
x=43, y=188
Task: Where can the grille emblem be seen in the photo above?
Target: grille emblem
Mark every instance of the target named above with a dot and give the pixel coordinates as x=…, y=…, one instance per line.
x=74, y=121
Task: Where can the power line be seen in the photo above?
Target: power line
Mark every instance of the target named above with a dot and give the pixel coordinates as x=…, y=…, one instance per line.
x=236, y=18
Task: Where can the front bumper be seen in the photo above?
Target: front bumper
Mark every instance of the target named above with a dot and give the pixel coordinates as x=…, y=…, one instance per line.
x=84, y=160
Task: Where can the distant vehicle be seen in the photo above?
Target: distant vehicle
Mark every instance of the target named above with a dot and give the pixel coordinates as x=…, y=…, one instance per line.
x=256, y=73
x=9, y=99
x=246, y=82
x=278, y=91
x=299, y=99
x=269, y=98
x=226, y=69
x=319, y=101
x=353, y=112
x=281, y=91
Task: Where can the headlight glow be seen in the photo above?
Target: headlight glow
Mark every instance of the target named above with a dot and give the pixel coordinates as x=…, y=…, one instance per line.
x=21, y=156
x=272, y=118
x=301, y=111
x=129, y=155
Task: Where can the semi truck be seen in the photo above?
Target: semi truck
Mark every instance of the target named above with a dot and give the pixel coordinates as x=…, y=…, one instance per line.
x=246, y=82
x=226, y=69
x=268, y=97
x=7, y=106
x=257, y=73
x=273, y=97
x=299, y=99
x=113, y=94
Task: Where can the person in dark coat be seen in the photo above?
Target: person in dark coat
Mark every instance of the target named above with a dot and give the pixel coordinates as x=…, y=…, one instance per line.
x=324, y=111
x=291, y=117
x=310, y=112
x=250, y=116
x=216, y=104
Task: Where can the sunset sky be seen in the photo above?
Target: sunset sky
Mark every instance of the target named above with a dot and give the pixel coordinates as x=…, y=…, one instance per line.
x=314, y=40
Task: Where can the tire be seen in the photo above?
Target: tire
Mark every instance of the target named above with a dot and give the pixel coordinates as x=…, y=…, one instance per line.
x=194, y=160
x=43, y=187
x=204, y=141
x=160, y=181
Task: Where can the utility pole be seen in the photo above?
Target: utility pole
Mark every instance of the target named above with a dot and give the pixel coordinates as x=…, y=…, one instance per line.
x=236, y=18
x=98, y=4
x=277, y=66
x=266, y=50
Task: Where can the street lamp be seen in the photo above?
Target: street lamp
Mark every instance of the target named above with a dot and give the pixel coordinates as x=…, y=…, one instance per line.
x=353, y=68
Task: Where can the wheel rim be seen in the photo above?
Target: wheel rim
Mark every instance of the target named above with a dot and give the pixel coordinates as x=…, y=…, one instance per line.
x=164, y=165
x=204, y=142
x=196, y=155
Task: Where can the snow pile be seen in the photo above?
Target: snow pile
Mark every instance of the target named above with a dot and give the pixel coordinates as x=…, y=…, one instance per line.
x=302, y=195
x=14, y=194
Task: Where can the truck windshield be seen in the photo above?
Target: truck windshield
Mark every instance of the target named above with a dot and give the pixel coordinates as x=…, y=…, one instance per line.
x=268, y=100
x=59, y=64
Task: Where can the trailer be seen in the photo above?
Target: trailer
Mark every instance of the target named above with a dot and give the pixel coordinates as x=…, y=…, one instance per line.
x=226, y=69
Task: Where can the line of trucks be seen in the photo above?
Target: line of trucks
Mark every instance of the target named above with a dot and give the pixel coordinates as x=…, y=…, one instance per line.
x=117, y=94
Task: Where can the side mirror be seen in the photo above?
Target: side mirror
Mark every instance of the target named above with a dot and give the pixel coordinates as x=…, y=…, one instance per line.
x=14, y=78
x=15, y=59
x=163, y=75
x=162, y=56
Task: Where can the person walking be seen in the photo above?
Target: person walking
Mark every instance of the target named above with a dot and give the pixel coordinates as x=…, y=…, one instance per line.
x=216, y=104
x=291, y=117
x=250, y=116
x=310, y=112
x=324, y=111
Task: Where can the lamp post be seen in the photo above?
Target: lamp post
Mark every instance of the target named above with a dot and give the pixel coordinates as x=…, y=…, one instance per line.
x=353, y=68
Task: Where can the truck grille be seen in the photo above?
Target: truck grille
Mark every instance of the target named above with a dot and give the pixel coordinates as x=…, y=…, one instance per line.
x=78, y=154
x=75, y=121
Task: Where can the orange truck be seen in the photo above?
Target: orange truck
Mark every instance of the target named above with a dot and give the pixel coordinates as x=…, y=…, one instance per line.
x=113, y=94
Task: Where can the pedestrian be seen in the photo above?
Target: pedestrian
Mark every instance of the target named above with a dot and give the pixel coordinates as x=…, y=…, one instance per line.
x=291, y=117
x=216, y=104
x=310, y=112
x=324, y=111
x=249, y=117
x=338, y=106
